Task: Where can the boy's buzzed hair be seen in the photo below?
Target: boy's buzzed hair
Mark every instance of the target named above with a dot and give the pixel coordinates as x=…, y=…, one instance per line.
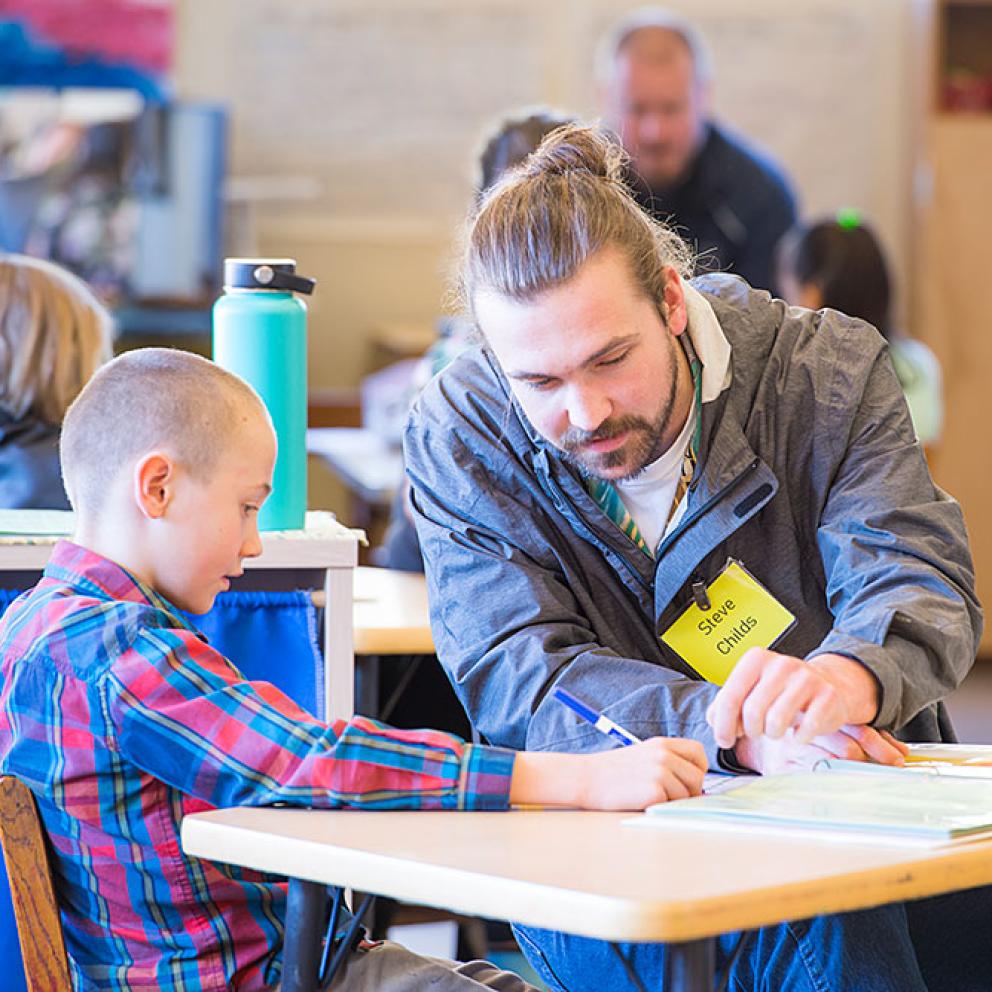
x=148, y=399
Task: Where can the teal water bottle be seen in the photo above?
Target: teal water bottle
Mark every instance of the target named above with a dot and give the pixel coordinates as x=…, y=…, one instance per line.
x=260, y=334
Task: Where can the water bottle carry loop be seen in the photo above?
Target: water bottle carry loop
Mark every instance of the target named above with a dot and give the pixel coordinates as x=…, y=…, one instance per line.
x=281, y=279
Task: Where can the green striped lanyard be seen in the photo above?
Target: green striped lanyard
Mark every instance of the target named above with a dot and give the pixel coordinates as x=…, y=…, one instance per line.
x=606, y=494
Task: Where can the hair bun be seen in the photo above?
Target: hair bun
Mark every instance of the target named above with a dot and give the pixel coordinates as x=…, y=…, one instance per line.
x=578, y=148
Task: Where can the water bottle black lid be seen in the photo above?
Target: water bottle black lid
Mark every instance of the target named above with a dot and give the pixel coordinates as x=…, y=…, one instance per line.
x=265, y=273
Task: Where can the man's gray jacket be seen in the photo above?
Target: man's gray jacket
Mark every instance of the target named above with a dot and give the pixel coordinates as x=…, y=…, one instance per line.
x=809, y=474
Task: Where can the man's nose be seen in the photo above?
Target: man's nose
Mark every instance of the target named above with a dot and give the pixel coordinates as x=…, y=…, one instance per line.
x=587, y=408
x=651, y=127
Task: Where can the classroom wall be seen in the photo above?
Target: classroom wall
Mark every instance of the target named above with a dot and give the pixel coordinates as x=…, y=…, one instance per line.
x=362, y=117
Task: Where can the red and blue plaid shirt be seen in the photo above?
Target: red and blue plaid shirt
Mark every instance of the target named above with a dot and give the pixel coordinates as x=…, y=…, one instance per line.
x=123, y=720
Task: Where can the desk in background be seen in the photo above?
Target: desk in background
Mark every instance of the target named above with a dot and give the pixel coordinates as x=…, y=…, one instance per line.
x=584, y=873
x=391, y=614
x=370, y=468
x=392, y=621
x=395, y=340
x=323, y=556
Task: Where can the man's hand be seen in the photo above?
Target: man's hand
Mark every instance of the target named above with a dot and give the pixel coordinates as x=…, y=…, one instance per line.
x=854, y=743
x=633, y=777
x=768, y=694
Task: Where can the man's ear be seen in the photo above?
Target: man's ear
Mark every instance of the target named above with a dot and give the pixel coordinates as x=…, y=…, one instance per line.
x=704, y=101
x=154, y=478
x=674, y=302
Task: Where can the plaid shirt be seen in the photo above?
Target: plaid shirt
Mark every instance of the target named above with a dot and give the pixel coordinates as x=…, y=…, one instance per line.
x=122, y=720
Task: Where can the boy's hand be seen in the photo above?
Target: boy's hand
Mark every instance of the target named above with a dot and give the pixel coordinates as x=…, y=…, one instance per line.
x=623, y=778
x=654, y=771
x=769, y=694
x=769, y=755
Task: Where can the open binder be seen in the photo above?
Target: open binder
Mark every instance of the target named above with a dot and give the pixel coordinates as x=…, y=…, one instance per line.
x=845, y=801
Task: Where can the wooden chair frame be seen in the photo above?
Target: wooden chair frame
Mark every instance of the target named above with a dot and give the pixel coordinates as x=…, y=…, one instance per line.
x=39, y=925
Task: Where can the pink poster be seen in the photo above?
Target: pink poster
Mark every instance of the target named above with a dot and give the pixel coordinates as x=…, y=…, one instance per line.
x=102, y=43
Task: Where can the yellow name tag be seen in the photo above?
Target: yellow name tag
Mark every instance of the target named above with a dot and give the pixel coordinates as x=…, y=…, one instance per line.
x=743, y=614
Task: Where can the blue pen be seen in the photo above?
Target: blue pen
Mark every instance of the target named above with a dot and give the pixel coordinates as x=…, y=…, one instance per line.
x=599, y=720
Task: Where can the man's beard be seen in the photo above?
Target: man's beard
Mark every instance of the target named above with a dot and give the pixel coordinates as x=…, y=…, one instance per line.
x=645, y=445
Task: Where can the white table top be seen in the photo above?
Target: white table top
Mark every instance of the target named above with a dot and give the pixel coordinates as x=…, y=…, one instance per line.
x=324, y=543
x=366, y=462
x=583, y=873
x=391, y=612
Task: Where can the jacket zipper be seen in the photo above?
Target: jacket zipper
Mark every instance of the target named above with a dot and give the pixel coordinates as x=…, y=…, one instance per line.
x=715, y=498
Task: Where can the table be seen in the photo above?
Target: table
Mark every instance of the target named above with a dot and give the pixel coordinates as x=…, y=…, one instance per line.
x=391, y=614
x=582, y=872
x=391, y=618
x=323, y=554
x=398, y=339
x=370, y=468
x=364, y=461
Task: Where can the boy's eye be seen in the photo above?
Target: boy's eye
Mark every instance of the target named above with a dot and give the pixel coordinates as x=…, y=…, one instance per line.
x=250, y=508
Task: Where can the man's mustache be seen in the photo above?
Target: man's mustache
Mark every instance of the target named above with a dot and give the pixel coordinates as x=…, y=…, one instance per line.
x=575, y=438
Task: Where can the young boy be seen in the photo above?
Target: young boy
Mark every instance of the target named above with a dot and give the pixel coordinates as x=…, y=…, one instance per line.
x=122, y=720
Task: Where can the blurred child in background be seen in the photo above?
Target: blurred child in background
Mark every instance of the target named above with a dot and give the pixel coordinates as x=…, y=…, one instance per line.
x=54, y=334
x=839, y=263
x=510, y=142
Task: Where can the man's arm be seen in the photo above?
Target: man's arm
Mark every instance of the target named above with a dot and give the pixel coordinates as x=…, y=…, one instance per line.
x=506, y=622
x=899, y=583
x=760, y=200
x=767, y=222
x=900, y=578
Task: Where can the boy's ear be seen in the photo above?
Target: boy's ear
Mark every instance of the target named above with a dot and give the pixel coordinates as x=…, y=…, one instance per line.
x=154, y=478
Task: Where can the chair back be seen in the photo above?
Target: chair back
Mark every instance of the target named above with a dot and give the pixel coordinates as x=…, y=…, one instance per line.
x=39, y=925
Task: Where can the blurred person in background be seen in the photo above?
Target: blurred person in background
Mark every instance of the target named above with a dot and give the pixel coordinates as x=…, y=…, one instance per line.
x=839, y=263
x=54, y=334
x=728, y=200
x=503, y=148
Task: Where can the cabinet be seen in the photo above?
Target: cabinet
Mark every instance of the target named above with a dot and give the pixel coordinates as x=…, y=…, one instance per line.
x=954, y=265
x=964, y=56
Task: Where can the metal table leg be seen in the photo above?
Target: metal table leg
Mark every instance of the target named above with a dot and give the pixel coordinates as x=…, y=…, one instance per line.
x=305, y=910
x=691, y=966
x=367, y=685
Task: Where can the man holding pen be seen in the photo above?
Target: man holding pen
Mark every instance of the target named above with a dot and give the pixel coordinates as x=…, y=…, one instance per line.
x=638, y=488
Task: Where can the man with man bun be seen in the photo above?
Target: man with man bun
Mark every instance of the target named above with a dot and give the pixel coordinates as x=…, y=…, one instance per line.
x=621, y=439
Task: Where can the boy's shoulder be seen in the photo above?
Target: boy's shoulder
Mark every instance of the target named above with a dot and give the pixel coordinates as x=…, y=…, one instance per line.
x=76, y=632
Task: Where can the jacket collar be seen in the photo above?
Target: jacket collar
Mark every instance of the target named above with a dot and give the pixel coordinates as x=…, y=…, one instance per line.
x=731, y=486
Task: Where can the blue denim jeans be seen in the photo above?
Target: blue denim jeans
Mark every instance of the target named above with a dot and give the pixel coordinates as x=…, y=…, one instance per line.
x=866, y=951
x=952, y=935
